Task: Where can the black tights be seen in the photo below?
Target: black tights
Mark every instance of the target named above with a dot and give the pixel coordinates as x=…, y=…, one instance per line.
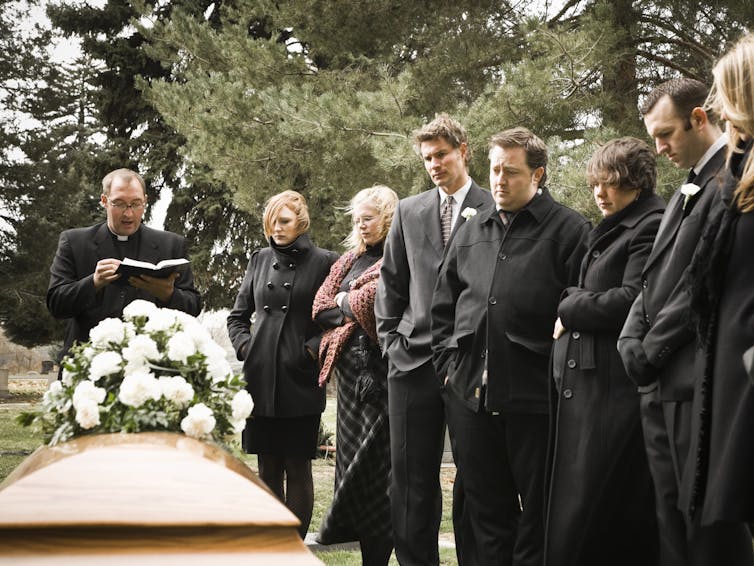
x=376, y=551
x=298, y=493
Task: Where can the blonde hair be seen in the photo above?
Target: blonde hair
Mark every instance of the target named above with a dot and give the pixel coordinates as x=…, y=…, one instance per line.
x=384, y=200
x=293, y=200
x=733, y=94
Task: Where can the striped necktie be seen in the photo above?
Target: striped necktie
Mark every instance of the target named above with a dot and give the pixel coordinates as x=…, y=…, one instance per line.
x=446, y=219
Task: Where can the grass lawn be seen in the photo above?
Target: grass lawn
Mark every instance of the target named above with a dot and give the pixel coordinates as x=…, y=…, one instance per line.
x=17, y=442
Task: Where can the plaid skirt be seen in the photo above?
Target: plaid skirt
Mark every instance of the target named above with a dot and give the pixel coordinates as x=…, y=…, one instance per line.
x=361, y=504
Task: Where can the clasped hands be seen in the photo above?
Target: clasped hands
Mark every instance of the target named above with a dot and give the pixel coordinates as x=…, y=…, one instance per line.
x=105, y=273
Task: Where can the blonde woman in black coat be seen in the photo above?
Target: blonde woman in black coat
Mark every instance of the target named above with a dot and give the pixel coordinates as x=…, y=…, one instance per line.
x=280, y=356
x=601, y=504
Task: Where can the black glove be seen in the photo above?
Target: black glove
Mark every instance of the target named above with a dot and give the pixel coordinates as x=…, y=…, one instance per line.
x=638, y=368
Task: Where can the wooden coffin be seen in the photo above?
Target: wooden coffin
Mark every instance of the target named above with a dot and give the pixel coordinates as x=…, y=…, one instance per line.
x=149, y=498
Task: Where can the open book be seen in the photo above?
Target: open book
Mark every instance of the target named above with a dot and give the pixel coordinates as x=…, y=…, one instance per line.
x=131, y=267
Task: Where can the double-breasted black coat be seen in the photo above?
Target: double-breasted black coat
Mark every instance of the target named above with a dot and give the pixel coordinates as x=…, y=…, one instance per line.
x=279, y=288
x=600, y=488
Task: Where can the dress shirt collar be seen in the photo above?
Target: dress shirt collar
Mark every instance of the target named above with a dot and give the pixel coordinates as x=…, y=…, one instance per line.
x=712, y=150
x=459, y=196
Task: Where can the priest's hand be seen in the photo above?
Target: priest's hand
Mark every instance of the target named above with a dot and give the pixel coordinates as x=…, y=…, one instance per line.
x=104, y=272
x=159, y=287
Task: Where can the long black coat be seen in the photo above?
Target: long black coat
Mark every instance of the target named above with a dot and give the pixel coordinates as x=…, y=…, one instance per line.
x=720, y=472
x=497, y=296
x=600, y=487
x=279, y=287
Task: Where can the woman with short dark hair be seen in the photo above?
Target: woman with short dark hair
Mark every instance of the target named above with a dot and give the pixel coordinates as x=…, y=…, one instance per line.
x=600, y=507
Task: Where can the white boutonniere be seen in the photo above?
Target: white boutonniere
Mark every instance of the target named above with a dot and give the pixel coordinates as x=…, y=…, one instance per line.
x=689, y=190
x=468, y=213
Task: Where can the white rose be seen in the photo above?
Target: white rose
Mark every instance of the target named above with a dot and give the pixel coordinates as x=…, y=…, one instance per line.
x=210, y=348
x=180, y=347
x=160, y=320
x=218, y=369
x=87, y=414
x=110, y=330
x=67, y=377
x=238, y=426
x=53, y=391
x=86, y=392
x=199, y=421
x=139, y=308
x=140, y=349
x=177, y=390
x=104, y=363
x=241, y=405
x=138, y=387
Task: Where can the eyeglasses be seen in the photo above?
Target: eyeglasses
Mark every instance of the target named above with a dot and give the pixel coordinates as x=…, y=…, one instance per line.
x=122, y=206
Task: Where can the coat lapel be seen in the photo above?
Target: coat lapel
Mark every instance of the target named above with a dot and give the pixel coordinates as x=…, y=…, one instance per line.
x=429, y=215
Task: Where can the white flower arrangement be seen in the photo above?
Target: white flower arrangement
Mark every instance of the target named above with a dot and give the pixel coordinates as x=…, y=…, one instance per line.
x=468, y=213
x=689, y=190
x=155, y=370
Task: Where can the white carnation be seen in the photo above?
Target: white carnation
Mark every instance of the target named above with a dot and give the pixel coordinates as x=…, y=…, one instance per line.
x=238, y=426
x=53, y=391
x=180, y=347
x=199, y=421
x=138, y=387
x=241, y=405
x=104, y=363
x=160, y=320
x=177, y=390
x=110, y=330
x=87, y=414
x=139, y=308
x=210, y=348
x=86, y=392
x=89, y=352
x=140, y=349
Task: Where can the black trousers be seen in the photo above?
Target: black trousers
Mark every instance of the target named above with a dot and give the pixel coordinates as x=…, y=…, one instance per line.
x=667, y=435
x=417, y=435
x=502, y=458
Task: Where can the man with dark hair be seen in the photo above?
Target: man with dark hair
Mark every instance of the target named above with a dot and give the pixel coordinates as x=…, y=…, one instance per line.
x=84, y=284
x=657, y=341
x=422, y=227
x=493, y=311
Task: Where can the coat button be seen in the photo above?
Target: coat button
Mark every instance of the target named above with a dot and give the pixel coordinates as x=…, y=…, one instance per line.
x=576, y=335
x=270, y=285
x=287, y=285
x=284, y=308
x=503, y=256
x=276, y=265
x=483, y=354
x=291, y=265
x=493, y=301
x=567, y=393
x=596, y=253
x=644, y=284
x=571, y=364
x=266, y=308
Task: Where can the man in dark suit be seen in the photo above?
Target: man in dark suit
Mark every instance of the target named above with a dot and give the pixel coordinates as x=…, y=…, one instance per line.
x=421, y=227
x=84, y=285
x=493, y=310
x=657, y=342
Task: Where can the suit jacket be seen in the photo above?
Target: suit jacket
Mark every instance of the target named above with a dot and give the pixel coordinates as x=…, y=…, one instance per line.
x=502, y=287
x=660, y=315
x=412, y=259
x=71, y=292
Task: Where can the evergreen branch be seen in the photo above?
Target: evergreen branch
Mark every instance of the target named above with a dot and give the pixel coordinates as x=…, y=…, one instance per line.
x=685, y=40
x=567, y=6
x=669, y=63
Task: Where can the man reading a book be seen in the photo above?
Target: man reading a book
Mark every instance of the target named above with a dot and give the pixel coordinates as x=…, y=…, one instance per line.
x=85, y=285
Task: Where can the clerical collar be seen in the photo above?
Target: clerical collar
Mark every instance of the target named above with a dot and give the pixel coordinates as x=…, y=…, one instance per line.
x=119, y=237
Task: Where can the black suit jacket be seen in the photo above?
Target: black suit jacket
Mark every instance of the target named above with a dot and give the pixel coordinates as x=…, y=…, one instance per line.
x=412, y=259
x=71, y=292
x=660, y=315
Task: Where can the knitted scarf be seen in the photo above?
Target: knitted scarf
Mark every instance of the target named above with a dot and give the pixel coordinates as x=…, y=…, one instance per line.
x=360, y=299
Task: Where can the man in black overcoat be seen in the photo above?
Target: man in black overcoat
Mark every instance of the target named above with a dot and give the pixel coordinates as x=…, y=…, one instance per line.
x=84, y=286
x=494, y=307
x=422, y=225
x=657, y=342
